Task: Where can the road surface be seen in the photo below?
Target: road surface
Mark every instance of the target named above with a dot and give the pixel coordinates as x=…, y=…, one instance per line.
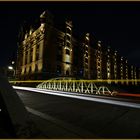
x=89, y=117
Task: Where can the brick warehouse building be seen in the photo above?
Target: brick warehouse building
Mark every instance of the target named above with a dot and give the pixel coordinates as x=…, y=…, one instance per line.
x=47, y=52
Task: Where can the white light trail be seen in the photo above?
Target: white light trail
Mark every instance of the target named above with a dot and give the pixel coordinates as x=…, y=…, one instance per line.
x=80, y=96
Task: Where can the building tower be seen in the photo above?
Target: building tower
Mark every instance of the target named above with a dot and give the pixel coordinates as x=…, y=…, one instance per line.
x=126, y=71
x=122, y=70
x=67, y=51
x=115, y=68
x=86, y=60
x=99, y=60
x=132, y=74
x=108, y=64
x=33, y=45
x=135, y=75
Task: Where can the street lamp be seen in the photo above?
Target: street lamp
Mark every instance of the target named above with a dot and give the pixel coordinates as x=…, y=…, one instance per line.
x=11, y=69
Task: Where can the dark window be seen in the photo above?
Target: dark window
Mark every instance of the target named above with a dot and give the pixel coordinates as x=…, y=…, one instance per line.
x=38, y=37
x=25, y=71
x=86, y=60
x=67, y=72
x=86, y=54
x=60, y=41
x=26, y=46
x=67, y=52
x=67, y=62
x=68, y=30
x=86, y=42
x=31, y=55
x=36, y=68
x=86, y=48
x=30, y=70
x=58, y=69
x=59, y=57
x=98, y=69
x=31, y=42
x=37, y=52
x=60, y=48
x=68, y=37
x=68, y=44
x=26, y=56
x=86, y=66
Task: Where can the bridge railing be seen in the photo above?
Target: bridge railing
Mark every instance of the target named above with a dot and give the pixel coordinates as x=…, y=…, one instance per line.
x=81, y=86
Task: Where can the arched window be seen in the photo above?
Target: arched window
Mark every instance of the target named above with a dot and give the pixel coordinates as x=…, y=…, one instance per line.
x=36, y=68
x=67, y=73
x=30, y=70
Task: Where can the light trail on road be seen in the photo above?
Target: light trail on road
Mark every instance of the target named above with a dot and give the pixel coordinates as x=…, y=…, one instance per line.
x=81, y=97
x=128, y=94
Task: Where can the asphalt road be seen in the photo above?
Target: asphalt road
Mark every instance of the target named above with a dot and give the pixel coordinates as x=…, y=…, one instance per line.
x=92, y=118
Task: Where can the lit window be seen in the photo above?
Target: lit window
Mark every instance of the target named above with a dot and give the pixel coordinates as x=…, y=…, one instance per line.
x=108, y=75
x=68, y=58
x=87, y=37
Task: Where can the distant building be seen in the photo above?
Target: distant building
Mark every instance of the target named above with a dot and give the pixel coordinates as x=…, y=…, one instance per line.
x=48, y=52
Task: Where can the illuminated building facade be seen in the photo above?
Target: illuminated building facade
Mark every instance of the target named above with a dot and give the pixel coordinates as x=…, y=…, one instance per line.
x=48, y=52
x=99, y=60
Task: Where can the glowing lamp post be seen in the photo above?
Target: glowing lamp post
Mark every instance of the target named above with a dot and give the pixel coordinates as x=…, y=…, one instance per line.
x=11, y=72
x=10, y=68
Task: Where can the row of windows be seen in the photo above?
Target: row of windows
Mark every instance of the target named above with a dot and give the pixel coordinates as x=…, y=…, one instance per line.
x=60, y=41
x=30, y=69
x=31, y=41
x=31, y=55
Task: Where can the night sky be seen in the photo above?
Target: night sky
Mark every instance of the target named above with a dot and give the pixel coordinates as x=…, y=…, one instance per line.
x=117, y=24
